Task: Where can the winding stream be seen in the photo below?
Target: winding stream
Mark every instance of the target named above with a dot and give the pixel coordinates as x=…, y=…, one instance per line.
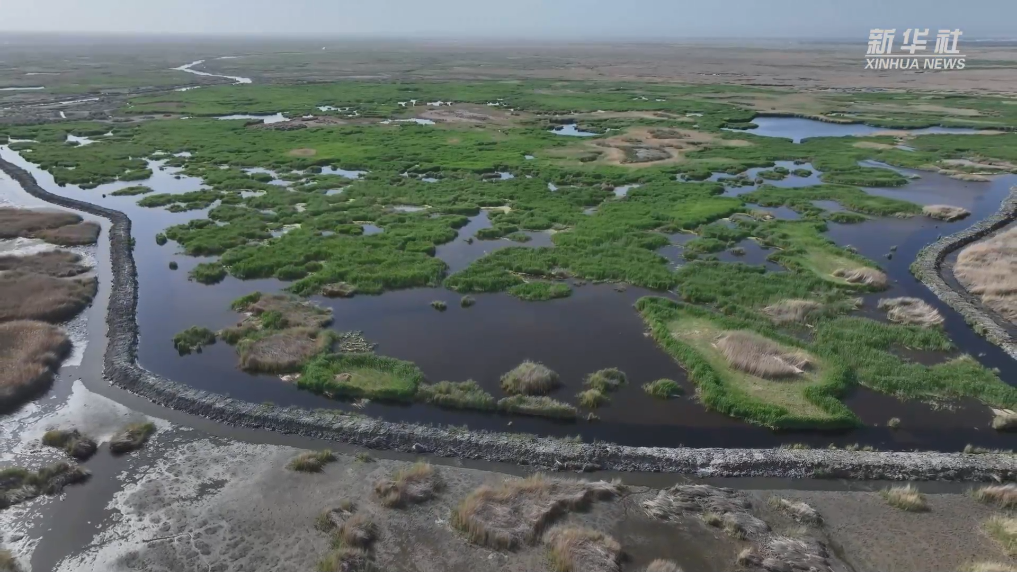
x=189, y=68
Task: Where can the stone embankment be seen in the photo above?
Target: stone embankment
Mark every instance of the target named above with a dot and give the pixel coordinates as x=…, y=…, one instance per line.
x=121, y=369
x=927, y=267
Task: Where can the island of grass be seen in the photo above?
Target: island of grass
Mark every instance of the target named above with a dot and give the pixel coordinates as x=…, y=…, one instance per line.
x=770, y=381
x=354, y=376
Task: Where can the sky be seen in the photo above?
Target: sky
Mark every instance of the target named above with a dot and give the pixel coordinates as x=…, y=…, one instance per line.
x=589, y=20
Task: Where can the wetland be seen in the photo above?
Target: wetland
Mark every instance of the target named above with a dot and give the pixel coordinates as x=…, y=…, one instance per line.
x=570, y=255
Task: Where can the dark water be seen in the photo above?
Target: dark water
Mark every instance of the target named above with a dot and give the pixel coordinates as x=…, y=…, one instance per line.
x=797, y=128
x=595, y=328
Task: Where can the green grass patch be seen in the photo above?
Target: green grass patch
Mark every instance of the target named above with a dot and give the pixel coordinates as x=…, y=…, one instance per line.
x=193, y=339
x=663, y=388
x=352, y=376
x=457, y=395
x=540, y=290
x=537, y=406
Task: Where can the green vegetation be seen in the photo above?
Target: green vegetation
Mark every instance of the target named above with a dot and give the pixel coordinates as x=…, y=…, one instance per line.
x=208, y=273
x=132, y=191
x=193, y=339
x=905, y=497
x=353, y=376
x=606, y=380
x=467, y=301
x=540, y=290
x=311, y=461
x=663, y=388
x=537, y=406
x=439, y=305
x=71, y=441
x=592, y=398
x=462, y=395
x=530, y=378
x=131, y=437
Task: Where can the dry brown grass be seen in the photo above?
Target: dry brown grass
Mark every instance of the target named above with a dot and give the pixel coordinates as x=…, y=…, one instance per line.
x=797, y=510
x=24, y=223
x=1004, y=530
x=945, y=212
x=284, y=351
x=30, y=296
x=988, y=269
x=791, y=311
x=862, y=275
x=1005, y=421
x=905, y=497
x=517, y=511
x=989, y=567
x=295, y=312
x=718, y=506
x=345, y=559
x=311, y=461
x=913, y=311
x=530, y=378
x=71, y=235
x=357, y=531
x=1002, y=495
x=415, y=484
x=663, y=566
x=573, y=549
x=30, y=353
x=57, y=263
x=762, y=357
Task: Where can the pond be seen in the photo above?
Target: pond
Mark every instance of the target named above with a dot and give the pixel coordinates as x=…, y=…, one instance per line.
x=570, y=129
x=798, y=128
x=274, y=118
x=594, y=328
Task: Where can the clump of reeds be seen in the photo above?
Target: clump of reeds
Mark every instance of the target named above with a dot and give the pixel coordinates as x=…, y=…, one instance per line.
x=530, y=378
x=606, y=380
x=762, y=357
x=906, y=497
x=863, y=275
x=1002, y=495
x=71, y=441
x=792, y=311
x=913, y=311
x=945, y=212
x=412, y=485
x=131, y=437
x=574, y=549
x=311, y=461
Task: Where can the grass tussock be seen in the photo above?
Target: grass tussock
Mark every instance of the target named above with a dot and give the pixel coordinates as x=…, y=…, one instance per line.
x=467, y=301
x=79, y=234
x=18, y=484
x=1005, y=421
x=945, y=212
x=574, y=549
x=660, y=565
x=338, y=290
x=357, y=531
x=606, y=380
x=911, y=311
x=131, y=437
x=30, y=353
x=516, y=512
x=906, y=497
x=797, y=510
x=282, y=351
x=344, y=559
x=75, y=444
x=439, y=305
x=530, y=378
x=592, y=398
x=988, y=269
x=457, y=395
x=863, y=275
x=663, y=388
x=989, y=567
x=1004, y=496
x=32, y=296
x=193, y=339
x=792, y=311
x=56, y=263
x=415, y=484
x=1004, y=530
x=537, y=406
x=762, y=357
x=311, y=461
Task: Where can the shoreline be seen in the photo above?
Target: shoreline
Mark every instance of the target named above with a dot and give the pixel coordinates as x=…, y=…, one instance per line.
x=927, y=268
x=121, y=369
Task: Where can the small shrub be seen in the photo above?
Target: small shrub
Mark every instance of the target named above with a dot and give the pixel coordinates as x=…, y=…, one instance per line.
x=412, y=485
x=592, y=398
x=131, y=437
x=160, y=239
x=530, y=378
x=311, y=461
x=893, y=423
x=364, y=458
x=173, y=265
x=606, y=380
x=906, y=498
x=1004, y=530
x=462, y=395
x=1005, y=422
x=439, y=305
x=663, y=388
x=193, y=339
x=467, y=301
x=1003, y=495
x=72, y=442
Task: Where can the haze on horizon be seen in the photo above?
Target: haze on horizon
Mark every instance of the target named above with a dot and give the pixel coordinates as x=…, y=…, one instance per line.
x=532, y=19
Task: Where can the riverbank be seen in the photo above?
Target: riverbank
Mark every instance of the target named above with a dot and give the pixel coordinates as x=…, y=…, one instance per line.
x=928, y=268
x=122, y=370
